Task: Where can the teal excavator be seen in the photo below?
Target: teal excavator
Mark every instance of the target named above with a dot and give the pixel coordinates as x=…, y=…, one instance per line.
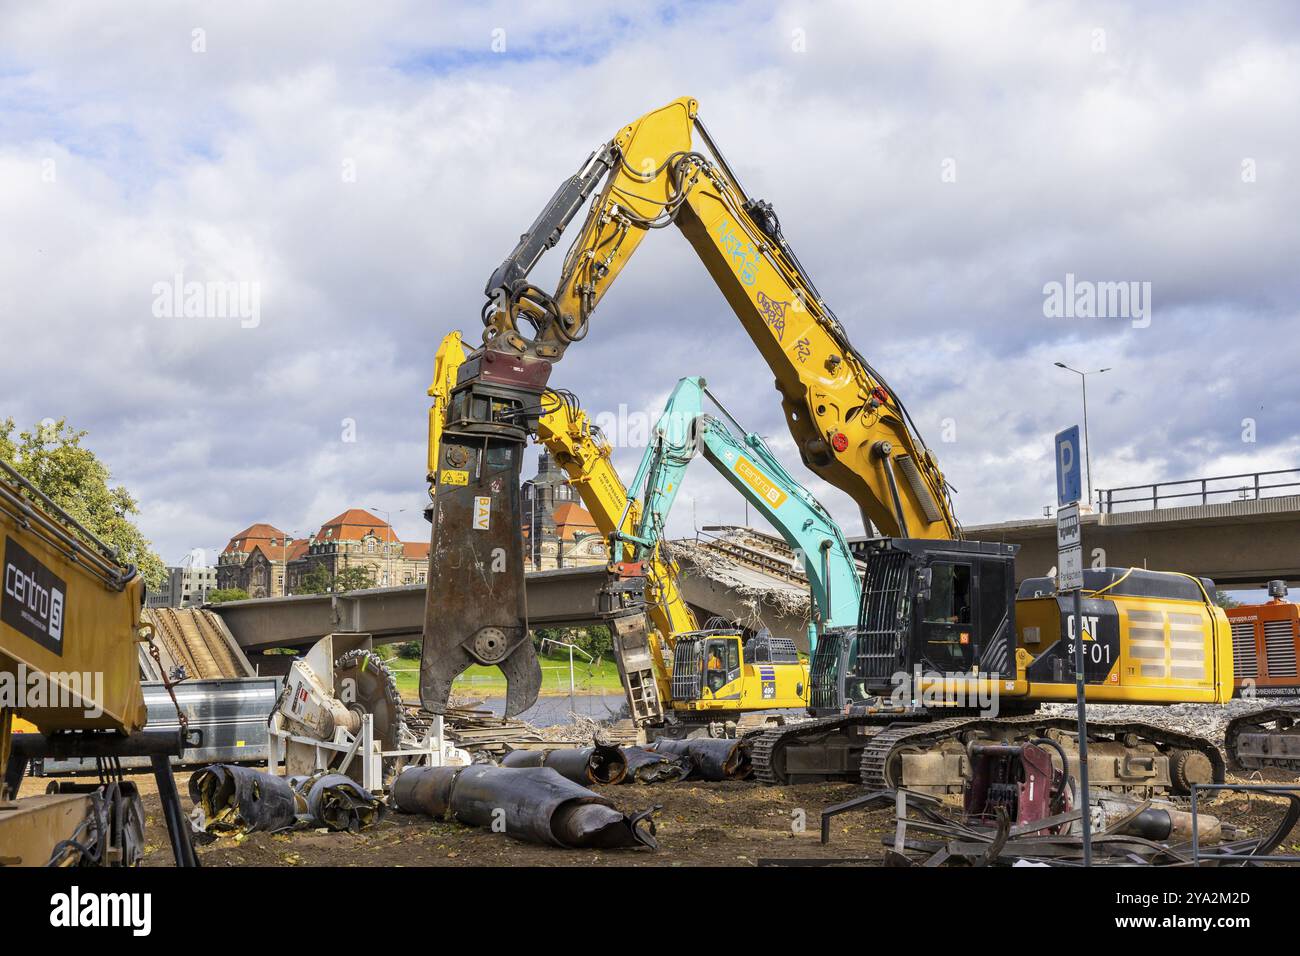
x=686, y=430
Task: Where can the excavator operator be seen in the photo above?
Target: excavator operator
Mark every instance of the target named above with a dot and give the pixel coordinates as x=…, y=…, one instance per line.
x=714, y=674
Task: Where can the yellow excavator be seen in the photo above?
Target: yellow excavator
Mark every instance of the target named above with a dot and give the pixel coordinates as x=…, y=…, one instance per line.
x=942, y=641
x=641, y=586
x=70, y=628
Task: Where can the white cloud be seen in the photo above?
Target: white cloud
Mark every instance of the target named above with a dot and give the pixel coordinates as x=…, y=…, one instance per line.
x=1123, y=164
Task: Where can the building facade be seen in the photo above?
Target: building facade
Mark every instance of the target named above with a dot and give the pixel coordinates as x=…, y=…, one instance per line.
x=268, y=562
x=358, y=539
x=184, y=587
x=254, y=560
x=558, y=531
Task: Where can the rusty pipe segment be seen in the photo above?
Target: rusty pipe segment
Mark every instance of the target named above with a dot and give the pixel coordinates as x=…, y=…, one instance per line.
x=646, y=766
x=242, y=800
x=534, y=804
x=338, y=802
x=713, y=758
x=598, y=764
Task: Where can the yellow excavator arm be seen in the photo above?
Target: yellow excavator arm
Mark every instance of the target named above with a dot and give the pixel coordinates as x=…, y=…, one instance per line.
x=849, y=426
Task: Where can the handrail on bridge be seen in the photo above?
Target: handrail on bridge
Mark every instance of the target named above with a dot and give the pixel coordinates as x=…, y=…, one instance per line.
x=1248, y=487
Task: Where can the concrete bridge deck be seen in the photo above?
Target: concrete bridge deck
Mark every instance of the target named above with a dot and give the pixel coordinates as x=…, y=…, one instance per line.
x=1240, y=544
x=565, y=597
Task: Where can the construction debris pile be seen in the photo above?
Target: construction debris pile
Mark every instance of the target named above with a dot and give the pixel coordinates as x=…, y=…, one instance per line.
x=1125, y=832
x=232, y=799
x=1203, y=720
x=759, y=569
x=480, y=731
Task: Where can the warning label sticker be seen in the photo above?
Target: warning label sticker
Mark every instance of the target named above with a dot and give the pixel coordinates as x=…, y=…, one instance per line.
x=482, y=513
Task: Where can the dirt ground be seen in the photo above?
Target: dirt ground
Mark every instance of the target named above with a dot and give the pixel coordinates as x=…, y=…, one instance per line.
x=700, y=824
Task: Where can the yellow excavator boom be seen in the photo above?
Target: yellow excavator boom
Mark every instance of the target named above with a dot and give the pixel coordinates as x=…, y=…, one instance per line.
x=850, y=427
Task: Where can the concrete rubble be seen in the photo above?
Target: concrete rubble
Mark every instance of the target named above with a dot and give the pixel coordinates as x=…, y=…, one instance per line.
x=1204, y=720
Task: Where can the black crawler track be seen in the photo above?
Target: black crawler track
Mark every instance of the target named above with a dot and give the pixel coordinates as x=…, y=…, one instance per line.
x=1285, y=715
x=768, y=744
x=879, y=756
x=896, y=736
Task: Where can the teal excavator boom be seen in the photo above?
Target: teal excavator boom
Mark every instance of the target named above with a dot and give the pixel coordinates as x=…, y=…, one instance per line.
x=684, y=430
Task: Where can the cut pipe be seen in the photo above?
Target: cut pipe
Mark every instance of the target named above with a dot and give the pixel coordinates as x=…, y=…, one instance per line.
x=646, y=766
x=713, y=758
x=599, y=764
x=533, y=804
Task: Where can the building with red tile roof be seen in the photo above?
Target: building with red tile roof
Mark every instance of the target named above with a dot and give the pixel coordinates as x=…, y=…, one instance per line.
x=260, y=558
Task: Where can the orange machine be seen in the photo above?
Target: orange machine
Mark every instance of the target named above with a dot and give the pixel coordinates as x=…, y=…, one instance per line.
x=1265, y=641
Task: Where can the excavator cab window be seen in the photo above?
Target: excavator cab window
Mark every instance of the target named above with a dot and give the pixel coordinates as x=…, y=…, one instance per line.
x=946, y=621
x=721, y=661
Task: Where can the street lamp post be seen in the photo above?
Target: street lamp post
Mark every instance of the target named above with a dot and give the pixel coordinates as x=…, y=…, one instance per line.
x=1087, y=444
x=388, y=545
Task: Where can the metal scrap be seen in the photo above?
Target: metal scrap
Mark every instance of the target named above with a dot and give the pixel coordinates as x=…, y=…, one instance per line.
x=234, y=799
x=712, y=758
x=533, y=804
x=1130, y=833
x=646, y=766
x=597, y=764
x=237, y=799
x=338, y=802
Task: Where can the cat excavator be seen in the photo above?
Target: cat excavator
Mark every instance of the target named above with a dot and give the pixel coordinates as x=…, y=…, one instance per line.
x=941, y=639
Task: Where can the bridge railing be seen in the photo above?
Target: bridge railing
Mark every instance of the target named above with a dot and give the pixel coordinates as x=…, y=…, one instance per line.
x=1200, y=491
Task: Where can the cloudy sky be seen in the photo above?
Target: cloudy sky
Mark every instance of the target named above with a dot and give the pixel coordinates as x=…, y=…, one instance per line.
x=362, y=168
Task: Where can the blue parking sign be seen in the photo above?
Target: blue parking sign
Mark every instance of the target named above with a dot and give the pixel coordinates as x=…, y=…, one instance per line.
x=1069, y=473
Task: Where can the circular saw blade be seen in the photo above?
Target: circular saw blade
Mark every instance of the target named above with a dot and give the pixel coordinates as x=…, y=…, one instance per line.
x=364, y=683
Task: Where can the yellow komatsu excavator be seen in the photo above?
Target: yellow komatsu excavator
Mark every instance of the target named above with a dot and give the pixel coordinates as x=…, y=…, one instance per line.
x=940, y=644
x=636, y=589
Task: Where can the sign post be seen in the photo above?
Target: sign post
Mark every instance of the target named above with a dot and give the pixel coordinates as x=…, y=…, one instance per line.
x=1069, y=566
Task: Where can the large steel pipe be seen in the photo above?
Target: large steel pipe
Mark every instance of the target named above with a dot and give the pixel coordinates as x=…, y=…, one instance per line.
x=601, y=764
x=534, y=804
x=713, y=758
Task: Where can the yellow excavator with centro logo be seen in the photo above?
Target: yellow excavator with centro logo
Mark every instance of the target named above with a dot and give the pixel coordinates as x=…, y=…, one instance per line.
x=70, y=626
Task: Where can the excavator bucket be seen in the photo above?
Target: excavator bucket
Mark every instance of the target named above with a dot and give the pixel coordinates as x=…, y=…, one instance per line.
x=477, y=613
x=475, y=608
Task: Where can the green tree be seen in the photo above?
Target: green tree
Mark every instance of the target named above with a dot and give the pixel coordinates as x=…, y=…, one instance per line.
x=319, y=580
x=1224, y=599
x=354, y=578
x=53, y=459
x=595, y=639
x=316, y=581
x=221, y=595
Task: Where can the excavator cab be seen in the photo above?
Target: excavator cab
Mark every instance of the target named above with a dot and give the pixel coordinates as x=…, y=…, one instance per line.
x=705, y=663
x=943, y=607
